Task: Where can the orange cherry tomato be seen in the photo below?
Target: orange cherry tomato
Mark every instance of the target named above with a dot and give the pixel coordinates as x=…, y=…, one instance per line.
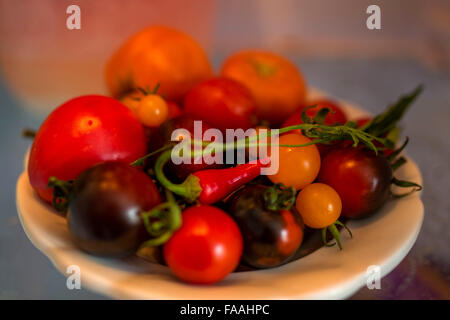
x=297, y=166
x=152, y=110
x=319, y=205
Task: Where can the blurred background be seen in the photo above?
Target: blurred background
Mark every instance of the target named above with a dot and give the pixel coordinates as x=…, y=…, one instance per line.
x=43, y=64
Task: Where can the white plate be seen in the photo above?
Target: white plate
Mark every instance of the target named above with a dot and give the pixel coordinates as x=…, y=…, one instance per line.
x=382, y=240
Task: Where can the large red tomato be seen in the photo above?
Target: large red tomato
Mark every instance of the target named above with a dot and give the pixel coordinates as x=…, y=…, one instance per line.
x=80, y=133
x=223, y=103
x=360, y=177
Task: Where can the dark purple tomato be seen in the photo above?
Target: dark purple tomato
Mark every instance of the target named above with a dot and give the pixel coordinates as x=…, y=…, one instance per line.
x=360, y=177
x=271, y=237
x=163, y=136
x=105, y=206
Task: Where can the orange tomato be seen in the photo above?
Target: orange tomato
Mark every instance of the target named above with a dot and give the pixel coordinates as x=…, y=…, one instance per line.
x=297, y=166
x=155, y=55
x=319, y=205
x=276, y=84
x=152, y=110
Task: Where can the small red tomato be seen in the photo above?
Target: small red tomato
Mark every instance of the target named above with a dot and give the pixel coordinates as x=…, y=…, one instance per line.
x=222, y=102
x=174, y=110
x=206, y=248
x=360, y=177
x=80, y=133
x=335, y=115
x=362, y=121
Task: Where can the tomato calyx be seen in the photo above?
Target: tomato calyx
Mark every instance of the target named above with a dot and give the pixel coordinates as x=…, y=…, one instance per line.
x=263, y=69
x=162, y=221
x=279, y=197
x=319, y=117
x=335, y=234
x=396, y=162
x=404, y=184
x=147, y=91
x=61, y=193
x=29, y=133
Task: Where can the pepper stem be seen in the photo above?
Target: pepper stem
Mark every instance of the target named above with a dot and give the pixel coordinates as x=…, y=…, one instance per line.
x=190, y=189
x=168, y=220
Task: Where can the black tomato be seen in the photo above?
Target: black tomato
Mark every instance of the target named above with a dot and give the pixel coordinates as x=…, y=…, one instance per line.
x=271, y=238
x=105, y=206
x=360, y=177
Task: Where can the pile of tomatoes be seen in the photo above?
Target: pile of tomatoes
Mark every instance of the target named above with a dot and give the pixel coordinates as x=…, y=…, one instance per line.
x=104, y=161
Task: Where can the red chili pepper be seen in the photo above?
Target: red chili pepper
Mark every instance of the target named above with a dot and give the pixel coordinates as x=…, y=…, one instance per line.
x=212, y=185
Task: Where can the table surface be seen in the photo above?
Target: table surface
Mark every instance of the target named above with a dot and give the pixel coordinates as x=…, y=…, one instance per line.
x=25, y=273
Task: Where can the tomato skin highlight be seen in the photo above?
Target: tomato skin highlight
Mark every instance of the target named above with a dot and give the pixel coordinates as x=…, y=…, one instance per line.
x=297, y=166
x=319, y=205
x=223, y=103
x=361, y=178
x=80, y=133
x=206, y=248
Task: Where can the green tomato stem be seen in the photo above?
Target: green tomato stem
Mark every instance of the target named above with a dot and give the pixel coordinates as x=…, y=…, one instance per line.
x=168, y=220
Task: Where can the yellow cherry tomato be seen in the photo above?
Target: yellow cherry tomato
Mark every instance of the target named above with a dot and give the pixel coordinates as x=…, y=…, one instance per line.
x=319, y=205
x=297, y=166
x=152, y=110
